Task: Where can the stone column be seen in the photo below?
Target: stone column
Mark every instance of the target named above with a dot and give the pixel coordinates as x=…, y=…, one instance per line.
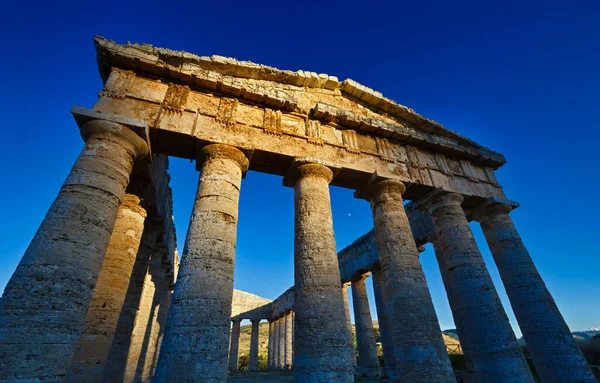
x=470, y=376
x=556, y=356
x=44, y=306
x=420, y=351
x=109, y=294
x=271, y=343
x=492, y=345
x=349, y=323
x=384, y=330
x=253, y=359
x=276, y=344
x=234, y=348
x=197, y=334
x=281, y=345
x=293, y=336
x=368, y=361
x=288, y=340
x=136, y=311
x=321, y=339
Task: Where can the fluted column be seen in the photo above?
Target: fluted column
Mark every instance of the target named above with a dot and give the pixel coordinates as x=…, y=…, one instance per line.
x=136, y=311
x=288, y=340
x=349, y=323
x=109, y=294
x=253, y=359
x=197, y=334
x=281, y=346
x=420, y=351
x=556, y=356
x=234, y=347
x=276, y=328
x=368, y=361
x=383, y=318
x=44, y=306
x=452, y=299
x=492, y=344
x=271, y=343
x=322, y=354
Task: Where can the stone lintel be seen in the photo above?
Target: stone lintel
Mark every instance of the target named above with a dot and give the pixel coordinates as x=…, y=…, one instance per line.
x=140, y=127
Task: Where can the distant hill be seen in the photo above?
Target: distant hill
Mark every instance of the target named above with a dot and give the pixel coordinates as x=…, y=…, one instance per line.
x=585, y=334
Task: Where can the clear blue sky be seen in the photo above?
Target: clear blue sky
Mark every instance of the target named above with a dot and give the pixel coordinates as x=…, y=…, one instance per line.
x=520, y=77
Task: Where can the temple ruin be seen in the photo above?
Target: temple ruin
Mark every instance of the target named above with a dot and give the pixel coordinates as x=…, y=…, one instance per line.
x=99, y=295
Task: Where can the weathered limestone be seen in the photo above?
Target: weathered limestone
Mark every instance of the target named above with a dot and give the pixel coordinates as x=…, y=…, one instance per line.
x=271, y=354
x=349, y=324
x=556, y=356
x=197, y=334
x=368, y=361
x=470, y=376
x=109, y=294
x=281, y=344
x=135, y=312
x=384, y=324
x=276, y=348
x=44, y=306
x=322, y=352
x=289, y=324
x=234, y=347
x=253, y=359
x=420, y=351
x=491, y=341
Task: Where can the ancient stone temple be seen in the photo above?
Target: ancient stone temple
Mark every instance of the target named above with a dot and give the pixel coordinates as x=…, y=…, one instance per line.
x=99, y=295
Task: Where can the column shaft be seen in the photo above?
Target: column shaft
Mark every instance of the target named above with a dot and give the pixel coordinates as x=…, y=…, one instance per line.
x=109, y=294
x=270, y=346
x=491, y=342
x=321, y=339
x=281, y=346
x=349, y=323
x=253, y=359
x=420, y=351
x=197, y=334
x=234, y=348
x=556, y=356
x=384, y=331
x=44, y=306
x=288, y=340
x=368, y=361
x=135, y=314
x=276, y=344
x=452, y=302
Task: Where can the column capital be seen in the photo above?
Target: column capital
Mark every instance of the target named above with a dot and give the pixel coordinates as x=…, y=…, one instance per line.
x=491, y=208
x=104, y=128
x=214, y=151
x=438, y=198
x=309, y=167
x=236, y=320
x=378, y=187
x=359, y=278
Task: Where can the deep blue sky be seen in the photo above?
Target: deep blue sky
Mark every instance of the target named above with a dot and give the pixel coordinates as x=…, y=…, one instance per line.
x=520, y=78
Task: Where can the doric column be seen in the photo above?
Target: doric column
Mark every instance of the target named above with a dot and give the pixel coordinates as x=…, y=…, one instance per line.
x=470, y=369
x=556, y=356
x=109, y=294
x=253, y=359
x=293, y=335
x=234, y=348
x=276, y=337
x=271, y=343
x=383, y=318
x=44, y=306
x=288, y=340
x=197, y=334
x=318, y=292
x=420, y=351
x=368, y=361
x=121, y=363
x=281, y=346
x=492, y=345
x=349, y=323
